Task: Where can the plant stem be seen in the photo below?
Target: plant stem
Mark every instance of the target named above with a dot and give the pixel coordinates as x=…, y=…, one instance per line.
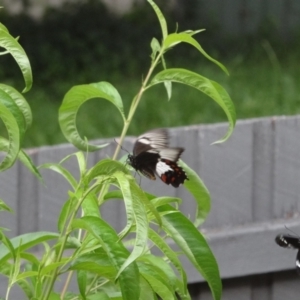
x=135, y=104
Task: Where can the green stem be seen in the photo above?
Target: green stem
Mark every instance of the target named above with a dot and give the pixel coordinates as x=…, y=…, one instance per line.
x=65, y=235
x=135, y=104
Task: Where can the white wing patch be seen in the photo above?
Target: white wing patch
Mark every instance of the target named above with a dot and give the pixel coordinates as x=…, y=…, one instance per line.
x=171, y=154
x=162, y=168
x=144, y=141
x=157, y=138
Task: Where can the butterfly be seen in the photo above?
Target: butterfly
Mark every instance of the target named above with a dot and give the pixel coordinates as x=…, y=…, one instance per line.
x=290, y=241
x=152, y=156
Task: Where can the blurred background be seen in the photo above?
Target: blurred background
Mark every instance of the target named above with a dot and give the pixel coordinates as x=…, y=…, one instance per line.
x=79, y=42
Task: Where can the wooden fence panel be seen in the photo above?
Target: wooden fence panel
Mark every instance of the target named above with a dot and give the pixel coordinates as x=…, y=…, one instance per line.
x=223, y=166
x=287, y=168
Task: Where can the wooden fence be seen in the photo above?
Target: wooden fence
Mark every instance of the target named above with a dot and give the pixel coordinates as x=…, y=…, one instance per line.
x=254, y=180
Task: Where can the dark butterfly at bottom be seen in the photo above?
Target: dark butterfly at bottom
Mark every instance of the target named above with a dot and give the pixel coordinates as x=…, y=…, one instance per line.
x=153, y=156
x=290, y=241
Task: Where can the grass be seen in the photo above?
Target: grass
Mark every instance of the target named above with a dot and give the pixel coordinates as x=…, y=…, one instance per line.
x=261, y=86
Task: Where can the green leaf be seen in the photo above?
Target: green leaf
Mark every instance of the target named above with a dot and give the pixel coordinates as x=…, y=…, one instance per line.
x=161, y=19
x=176, y=38
x=14, y=48
x=158, y=280
x=20, y=102
x=80, y=159
x=159, y=201
x=52, y=266
x=195, y=247
x=23, y=157
x=72, y=101
x=168, y=86
x=8, y=245
x=159, y=264
x=146, y=290
x=200, y=193
x=95, y=263
x=105, y=167
x=62, y=171
x=14, y=137
x=4, y=206
x=155, y=46
x=27, y=162
x=65, y=212
x=205, y=85
x=26, y=241
x=82, y=280
x=24, y=275
x=113, y=195
x=135, y=210
x=170, y=254
x=90, y=206
x=129, y=278
x=9, y=102
x=102, y=296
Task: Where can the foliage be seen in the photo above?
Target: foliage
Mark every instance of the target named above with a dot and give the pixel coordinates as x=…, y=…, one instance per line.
x=103, y=263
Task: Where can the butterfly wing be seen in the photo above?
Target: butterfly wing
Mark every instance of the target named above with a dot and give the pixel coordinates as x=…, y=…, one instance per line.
x=298, y=262
x=151, y=141
x=167, y=168
x=288, y=241
x=151, y=156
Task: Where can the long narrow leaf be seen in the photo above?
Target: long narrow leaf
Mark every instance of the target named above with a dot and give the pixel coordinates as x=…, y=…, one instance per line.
x=26, y=241
x=129, y=278
x=161, y=19
x=14, y=48
x=138, y=213
x=158, y=280
x=105, y=167
x=14, y=137
x=200, y=193
x=206, y=86
x=175, y=38
x=62, y=171
x=23, y=157
x=195, y=247
x=20, y=102
x=162, y=245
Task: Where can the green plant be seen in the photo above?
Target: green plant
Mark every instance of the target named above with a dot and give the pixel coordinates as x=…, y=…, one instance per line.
x=110, y=265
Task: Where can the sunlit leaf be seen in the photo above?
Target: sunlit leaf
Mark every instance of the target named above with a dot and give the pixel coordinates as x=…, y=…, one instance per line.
x=161, y=19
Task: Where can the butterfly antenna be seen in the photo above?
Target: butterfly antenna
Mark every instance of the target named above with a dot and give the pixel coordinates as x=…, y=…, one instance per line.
x=121, y=146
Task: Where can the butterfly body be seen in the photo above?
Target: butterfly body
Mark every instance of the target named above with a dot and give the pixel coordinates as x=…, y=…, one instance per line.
x=152, y=156
x=290, y=241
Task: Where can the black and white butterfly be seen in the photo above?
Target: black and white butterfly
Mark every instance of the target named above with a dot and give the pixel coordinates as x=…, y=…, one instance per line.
x=290, y=241
x=152, y=156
